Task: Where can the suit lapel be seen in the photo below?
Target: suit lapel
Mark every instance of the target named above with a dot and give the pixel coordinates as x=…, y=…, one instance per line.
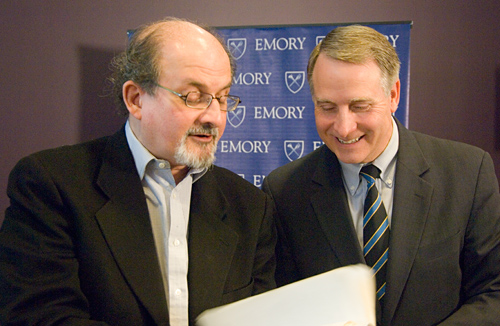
x=412, y=199
x=212, y=244
x=125, y=224
x=332, y=210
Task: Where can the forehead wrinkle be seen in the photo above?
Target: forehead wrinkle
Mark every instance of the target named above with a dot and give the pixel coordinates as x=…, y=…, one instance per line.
x=200, y=85
x=351, y=101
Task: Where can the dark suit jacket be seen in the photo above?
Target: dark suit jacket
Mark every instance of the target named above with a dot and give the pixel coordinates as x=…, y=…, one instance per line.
x=76, y=244
x=444, y=255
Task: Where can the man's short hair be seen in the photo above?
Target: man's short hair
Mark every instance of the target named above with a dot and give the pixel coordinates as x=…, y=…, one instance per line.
x=358, y=44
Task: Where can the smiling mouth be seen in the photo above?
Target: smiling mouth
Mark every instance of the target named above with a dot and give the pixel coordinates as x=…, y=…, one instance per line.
x=347, y=142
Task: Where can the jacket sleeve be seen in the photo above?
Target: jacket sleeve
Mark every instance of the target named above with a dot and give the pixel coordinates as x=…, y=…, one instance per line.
x=285, y=267
x=480, y=259
x=264, y=266
x=39, y=281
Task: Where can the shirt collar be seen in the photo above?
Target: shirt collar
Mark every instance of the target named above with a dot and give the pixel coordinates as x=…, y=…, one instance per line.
x=142, y=156
x=386, y=162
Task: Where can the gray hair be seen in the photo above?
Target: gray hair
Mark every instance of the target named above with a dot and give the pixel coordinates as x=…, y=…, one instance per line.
x=140, y=62
x=358, y=44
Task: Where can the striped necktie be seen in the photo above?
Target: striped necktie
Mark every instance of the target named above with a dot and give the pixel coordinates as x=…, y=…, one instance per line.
x=375, y=229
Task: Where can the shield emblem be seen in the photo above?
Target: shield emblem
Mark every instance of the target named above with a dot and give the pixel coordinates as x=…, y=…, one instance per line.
x=237, y=47
x=294, y=80
x=293, y=149
x=236, y=117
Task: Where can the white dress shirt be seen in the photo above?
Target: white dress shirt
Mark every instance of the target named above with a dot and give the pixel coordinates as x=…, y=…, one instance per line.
x=168, y=206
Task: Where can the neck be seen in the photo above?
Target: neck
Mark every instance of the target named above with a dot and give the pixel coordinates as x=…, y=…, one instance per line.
x=179, y=172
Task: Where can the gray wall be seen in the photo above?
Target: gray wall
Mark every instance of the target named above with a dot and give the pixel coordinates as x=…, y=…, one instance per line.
x=54, y=58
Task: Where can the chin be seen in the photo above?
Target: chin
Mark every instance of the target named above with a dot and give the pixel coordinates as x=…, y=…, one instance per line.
x=196, y=157
x=349, y=159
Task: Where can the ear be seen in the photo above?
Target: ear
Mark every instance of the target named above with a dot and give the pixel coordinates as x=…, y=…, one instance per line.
x=395, y=94
x=132, y=96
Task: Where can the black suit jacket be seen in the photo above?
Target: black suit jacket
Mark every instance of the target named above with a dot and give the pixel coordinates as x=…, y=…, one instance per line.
x=444, y=255
x=77, y=245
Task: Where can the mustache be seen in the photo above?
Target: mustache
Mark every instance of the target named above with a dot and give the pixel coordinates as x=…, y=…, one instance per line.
x=203, y=129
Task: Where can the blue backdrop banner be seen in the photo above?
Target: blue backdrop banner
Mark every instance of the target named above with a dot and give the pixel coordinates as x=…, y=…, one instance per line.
x=275, y=124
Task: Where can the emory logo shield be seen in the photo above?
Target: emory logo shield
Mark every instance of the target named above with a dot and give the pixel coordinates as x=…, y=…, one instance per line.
x=237, y=46
x=294, y=149
x=236, y=117
x=294, y=80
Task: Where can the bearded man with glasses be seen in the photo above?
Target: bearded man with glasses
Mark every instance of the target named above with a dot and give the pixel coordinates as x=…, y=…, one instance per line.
x=140, y=228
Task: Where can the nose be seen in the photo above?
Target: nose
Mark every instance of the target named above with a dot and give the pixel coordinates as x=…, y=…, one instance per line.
x=345, y=123
x=213, y=114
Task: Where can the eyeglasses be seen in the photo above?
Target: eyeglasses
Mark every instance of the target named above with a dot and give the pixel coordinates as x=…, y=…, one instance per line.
x=201, y=101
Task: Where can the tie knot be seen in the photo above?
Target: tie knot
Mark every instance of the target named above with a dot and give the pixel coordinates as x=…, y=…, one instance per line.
x=371, y=170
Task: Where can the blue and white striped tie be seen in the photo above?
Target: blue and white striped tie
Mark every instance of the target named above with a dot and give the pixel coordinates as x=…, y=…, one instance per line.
x=375, y=230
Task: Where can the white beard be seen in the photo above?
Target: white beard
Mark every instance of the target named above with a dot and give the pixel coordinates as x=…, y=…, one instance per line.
x=203, y=156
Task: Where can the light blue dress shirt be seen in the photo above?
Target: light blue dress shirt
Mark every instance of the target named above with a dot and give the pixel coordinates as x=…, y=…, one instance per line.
x=356, y=185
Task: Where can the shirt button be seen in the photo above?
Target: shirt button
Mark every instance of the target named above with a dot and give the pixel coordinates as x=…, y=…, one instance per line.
x=177, y=242
x=178, y=292
x=162, y=165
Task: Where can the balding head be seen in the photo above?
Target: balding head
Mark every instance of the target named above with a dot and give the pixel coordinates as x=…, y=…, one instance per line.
x=153, y=45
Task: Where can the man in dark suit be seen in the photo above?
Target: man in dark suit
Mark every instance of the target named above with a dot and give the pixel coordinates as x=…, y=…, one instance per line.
x=441, y=203
x=139, y=228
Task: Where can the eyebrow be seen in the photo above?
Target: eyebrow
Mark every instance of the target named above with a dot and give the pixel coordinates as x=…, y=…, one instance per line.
x=352, y=101
x=320, y=100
